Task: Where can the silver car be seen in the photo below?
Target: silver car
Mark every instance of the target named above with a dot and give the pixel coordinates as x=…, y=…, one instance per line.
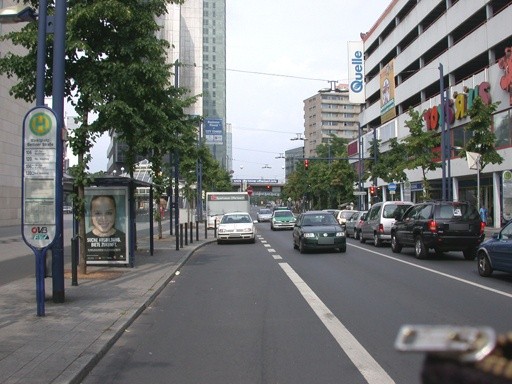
x=264, y=214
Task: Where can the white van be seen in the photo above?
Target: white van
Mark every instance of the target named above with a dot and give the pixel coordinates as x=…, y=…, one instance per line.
x=379, y=219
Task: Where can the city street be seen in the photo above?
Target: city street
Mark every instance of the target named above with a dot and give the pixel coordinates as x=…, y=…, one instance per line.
x=265, y=313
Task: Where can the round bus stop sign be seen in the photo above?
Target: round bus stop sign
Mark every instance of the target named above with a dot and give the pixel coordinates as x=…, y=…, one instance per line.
x=249, y=190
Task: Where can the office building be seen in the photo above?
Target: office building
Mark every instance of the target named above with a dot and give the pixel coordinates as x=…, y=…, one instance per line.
x=196, y=32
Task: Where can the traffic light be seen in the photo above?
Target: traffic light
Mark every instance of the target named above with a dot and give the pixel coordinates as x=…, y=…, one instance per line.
x=306, y=164
x=372, y=190
x=268, y=187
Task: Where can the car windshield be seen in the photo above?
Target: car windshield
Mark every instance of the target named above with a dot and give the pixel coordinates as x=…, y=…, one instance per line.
x=319, y=220
x=283, y=214
x=347, y=214
x=265, y=211
x=234, y=219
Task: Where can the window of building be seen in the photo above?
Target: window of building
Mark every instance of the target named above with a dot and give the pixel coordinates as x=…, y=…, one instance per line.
x=503, y=129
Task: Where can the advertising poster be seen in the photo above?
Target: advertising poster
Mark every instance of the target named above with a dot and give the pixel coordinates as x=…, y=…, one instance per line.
x=507, y=195
x=387, y=92
x=106, y=223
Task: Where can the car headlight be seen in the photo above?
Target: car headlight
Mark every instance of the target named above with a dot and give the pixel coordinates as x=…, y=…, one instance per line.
x=340, y=234
x=309, y=235
x=247, y=230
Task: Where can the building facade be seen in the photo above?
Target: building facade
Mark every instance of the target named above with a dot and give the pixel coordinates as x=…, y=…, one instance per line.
x=414, y=48
x=329, y=114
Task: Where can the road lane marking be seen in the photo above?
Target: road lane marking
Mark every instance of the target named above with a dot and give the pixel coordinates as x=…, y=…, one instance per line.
x=364, y=362
x=277, y=257
x=509, y=295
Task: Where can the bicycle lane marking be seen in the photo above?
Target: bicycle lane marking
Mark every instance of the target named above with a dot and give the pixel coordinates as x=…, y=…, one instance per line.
x=363, y=361
x=509, y=295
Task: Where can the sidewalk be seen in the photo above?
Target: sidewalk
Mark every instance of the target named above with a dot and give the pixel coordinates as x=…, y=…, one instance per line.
x=63, y=345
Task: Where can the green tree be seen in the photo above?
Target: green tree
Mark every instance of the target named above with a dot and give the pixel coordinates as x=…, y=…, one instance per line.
x=418, y=148
x=482, y=138
x=115, y=68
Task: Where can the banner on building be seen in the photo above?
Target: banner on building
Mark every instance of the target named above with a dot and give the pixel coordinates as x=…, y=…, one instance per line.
x=106, y=225
x=507, y=195
x=387, y=92
x=356, y=92
x=213, y=131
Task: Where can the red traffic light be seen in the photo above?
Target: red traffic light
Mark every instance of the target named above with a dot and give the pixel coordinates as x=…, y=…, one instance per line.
x=268, y=187
x=306, y=163
x=372, y=190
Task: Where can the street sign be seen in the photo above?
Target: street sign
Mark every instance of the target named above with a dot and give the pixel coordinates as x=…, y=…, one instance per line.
x=39, y=187
x=359, y=193
x=392, y=187
x=249, y=190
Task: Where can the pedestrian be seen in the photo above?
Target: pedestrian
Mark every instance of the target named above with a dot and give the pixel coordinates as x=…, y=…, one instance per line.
x=483, y=214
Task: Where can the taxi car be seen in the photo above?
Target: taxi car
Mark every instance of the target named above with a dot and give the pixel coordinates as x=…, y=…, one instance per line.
x=282, y=219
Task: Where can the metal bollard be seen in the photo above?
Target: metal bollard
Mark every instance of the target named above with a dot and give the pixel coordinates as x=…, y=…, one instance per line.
x=197, y=230
x=206, y=229
x=186, y=233
x=181, y=235
x=191, y=232
x=74, y=261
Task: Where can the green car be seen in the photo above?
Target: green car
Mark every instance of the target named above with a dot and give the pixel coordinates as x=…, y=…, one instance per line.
x=282, y=219
x=318, y=230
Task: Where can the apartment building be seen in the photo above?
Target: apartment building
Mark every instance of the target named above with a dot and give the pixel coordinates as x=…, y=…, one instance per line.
x=329, y=113
x=412, y=49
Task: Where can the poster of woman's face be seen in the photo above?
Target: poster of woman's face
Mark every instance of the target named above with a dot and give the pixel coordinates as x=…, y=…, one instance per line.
x=106, y=222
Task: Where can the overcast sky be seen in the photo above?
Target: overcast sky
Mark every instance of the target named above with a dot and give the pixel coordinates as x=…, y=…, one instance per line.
x=279, y=53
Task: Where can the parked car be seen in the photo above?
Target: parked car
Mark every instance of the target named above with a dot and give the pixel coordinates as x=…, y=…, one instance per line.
x=353, y=224
x=264, y=214
x=67, y=209
x=318, y=230
x=282, y=219
x=495, y=254
x=343, y=215
x=439, y=225
x=379, y=219
x=236, y=226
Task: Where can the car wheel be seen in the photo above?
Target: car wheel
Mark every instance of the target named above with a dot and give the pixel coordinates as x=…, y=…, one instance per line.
x=438, y=252
x=357, y=234
x=343, y=248
x=470, y=254
x=484, y=265
x=272, y=227
x=419, y=248
x=253, y=240
x=396, y=247
x=219, y=241
x=362, y=240
x=302, y=249
x=376, y=241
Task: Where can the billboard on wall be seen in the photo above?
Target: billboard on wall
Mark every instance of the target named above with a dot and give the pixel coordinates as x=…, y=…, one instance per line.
x=106, y=224
x=213, y=131
x=356, y=92
x=387, y=92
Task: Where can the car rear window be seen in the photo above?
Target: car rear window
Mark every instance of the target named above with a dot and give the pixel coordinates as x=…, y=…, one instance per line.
x=283, y=213
x=391, y=210
x=458, y=211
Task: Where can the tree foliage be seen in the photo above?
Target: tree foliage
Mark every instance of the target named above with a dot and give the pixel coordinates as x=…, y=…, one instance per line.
x=418, y=148
x=482, y=138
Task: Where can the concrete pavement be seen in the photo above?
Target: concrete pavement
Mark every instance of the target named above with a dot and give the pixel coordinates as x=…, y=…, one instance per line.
x=63, y=345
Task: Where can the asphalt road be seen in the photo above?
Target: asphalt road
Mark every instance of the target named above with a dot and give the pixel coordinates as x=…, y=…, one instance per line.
x=264, y=313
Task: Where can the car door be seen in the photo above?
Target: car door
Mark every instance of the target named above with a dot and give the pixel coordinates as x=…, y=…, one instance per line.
x=501, y=252
x=403, y=226
x=371, y=218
